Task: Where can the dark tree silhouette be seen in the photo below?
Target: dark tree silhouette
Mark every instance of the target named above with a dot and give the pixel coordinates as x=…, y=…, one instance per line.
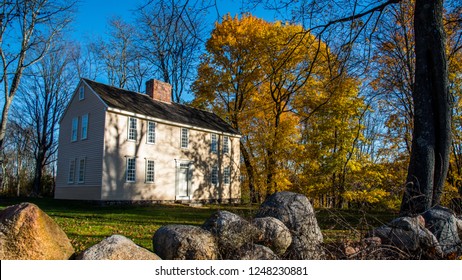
x=431, y=140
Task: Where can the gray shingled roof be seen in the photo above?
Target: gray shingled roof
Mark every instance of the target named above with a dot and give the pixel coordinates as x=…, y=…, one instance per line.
x=143, y=104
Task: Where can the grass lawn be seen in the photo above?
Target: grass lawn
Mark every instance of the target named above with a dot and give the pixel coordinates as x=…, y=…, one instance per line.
x=87, y=224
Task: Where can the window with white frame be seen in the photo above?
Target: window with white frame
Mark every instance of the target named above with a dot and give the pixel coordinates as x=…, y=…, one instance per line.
x=130, y=174
x=81, y=93
x=151, y=138
x=184, y=138
x=225, y=144
x=214, y=143
x=75, y=127
x=82, y=163
x=71, y=174
x=84, y=131
x=214, y=177
x=132, y=128
x=227, y=175
x=149, y=171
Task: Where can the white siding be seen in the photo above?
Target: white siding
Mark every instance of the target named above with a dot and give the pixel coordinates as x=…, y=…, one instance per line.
x=168, y=154
x=107, y=147
x=91, y=148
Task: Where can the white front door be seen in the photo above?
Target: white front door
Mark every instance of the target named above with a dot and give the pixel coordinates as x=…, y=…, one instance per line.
x=183, y=183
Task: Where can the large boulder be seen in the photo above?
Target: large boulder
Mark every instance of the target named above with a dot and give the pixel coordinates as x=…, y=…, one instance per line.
x=276, y=235
x=255, y=252
x=117, y=247
x=231, y=231
x=409, y=235
x=297, y=214
x=459, y=227
x=28, y=233
x=184, y=242
x=446, y=227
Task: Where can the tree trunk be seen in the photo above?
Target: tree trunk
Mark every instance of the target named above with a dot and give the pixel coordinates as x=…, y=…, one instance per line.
x=432, y=112
x=250, y=173
x=3, y=123
x=39, y=166
x=271, y=186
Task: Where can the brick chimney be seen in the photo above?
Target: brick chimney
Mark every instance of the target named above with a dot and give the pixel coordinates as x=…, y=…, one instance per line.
x=159, y=91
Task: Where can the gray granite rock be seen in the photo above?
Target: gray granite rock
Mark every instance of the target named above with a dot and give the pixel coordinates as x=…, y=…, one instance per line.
x=117, y=247
x=446, y=227
x=184, y=242
x=297, y=214
x=232, y=232
x=410, y=236
x=276, y=235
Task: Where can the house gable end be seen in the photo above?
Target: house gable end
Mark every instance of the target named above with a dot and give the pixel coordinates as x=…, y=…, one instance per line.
x=75, y=98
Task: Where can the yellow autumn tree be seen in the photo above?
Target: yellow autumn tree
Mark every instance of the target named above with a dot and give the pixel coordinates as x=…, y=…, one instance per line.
x=265, y=79
x=289, y=61
x=228, y=77
x=331, y=130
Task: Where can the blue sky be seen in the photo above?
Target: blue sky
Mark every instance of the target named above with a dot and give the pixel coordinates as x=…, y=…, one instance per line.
x=91, y=19
x=92, y=16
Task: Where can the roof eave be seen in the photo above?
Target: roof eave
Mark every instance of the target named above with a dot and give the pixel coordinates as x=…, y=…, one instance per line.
x=163, y=121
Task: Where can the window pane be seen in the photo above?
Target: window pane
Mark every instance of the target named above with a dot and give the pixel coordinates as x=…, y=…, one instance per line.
x=131, y=170
x=214, y=143
x=151, y=132
x=225, y=144
x=227, y=175
x=149, y=171
x=84, y=126
x=71, y=175
x=75, y=127
x=81, y=93
x=214, y=175
x=82, y=170
x=132, y=128
x=184, y=138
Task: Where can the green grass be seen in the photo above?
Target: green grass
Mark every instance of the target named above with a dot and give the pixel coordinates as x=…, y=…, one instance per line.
x=352, y=224
x=87, y=224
